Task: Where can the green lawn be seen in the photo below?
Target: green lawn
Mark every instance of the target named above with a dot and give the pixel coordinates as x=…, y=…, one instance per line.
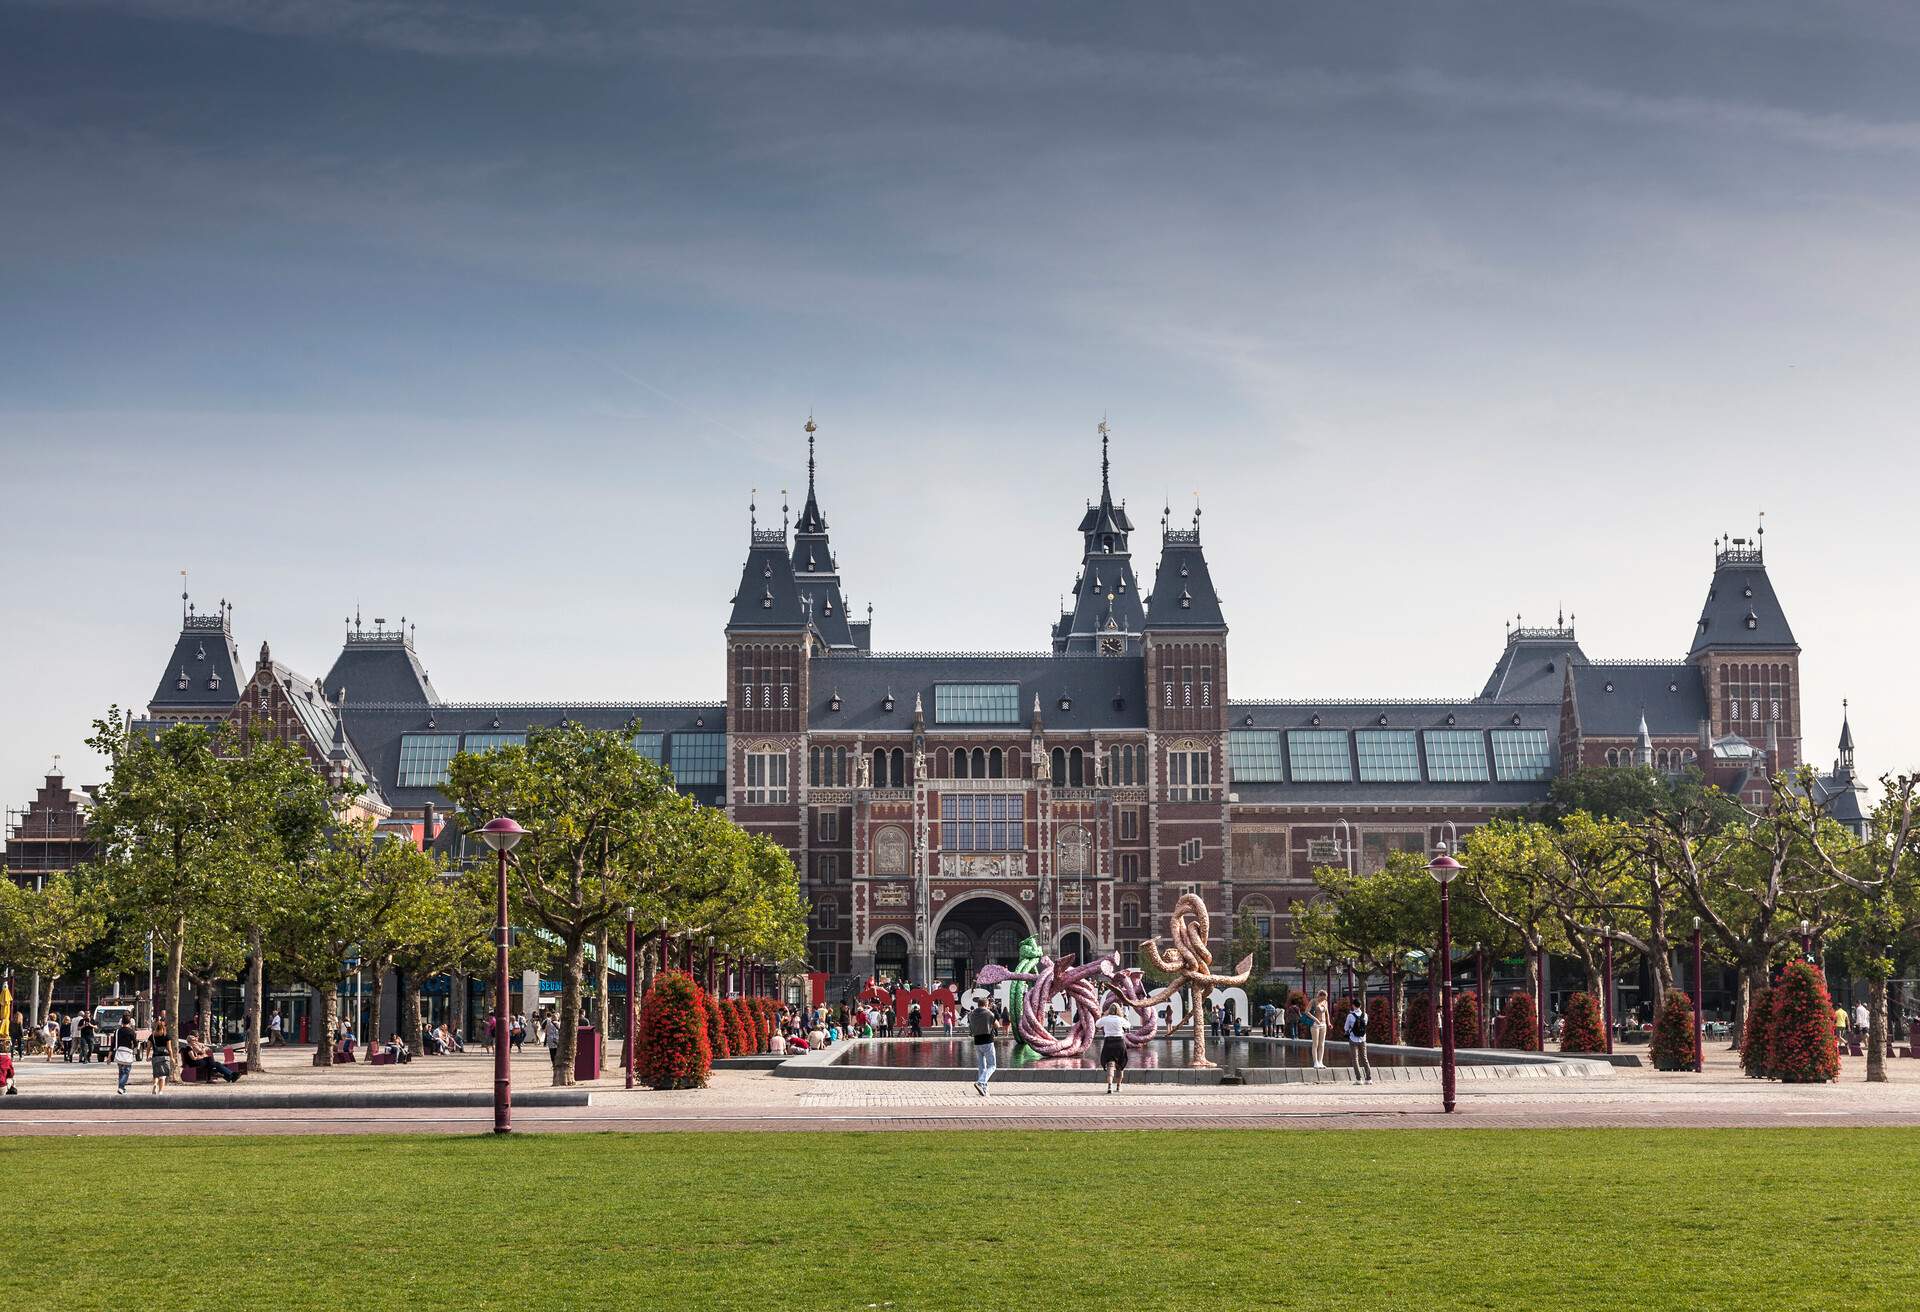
x=1032, y=1220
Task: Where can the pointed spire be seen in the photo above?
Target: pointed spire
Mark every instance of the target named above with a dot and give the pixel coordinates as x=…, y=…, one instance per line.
x=1106, y=490
x=810, y=432
x=1845, y=763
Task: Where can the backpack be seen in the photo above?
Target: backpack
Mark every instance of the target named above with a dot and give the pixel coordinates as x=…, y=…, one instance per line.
x=1359, y=1024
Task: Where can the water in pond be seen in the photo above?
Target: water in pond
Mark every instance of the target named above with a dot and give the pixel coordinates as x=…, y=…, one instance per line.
x=1251, y=1053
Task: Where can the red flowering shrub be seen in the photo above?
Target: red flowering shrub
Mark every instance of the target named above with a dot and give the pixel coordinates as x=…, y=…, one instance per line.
x=718, y=1032
x=1380, y=1028
x=1585, y=1029
x=1755, y=1061
x=1672, y=1048
x=739, y=1032
x=674, y=1052
x=1416, y=1026
x=1801, y=1047
x=1466, y=1020
x=1519, y=1027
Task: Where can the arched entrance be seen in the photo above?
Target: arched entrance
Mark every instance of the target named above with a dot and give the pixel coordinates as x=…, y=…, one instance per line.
x=1076, y=945
x=978, y=930
x=890, y=955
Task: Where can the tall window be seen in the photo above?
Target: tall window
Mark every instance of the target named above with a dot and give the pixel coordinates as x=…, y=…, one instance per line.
x=1254, y=755
x=826, y=868
x=830, y=824
x=1076, y=769
x=897, y=771
x=1129, y=914
x=766, y=777
x=1129, y=867
x=1059, y=767
x=1388, y=756
x=960, y=763
x=1521, y=755
x=649, y=745
x=1189, y=775
x=424, y=758
x=698, y=758
x=981, y=822
x=1129, y=823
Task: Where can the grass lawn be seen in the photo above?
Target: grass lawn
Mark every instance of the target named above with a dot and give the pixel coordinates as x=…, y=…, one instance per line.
x=1350, y=1220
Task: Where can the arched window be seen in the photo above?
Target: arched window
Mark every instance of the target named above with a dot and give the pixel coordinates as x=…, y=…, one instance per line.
x=1059, y=768
x=840, y=767
x=960, y=763
x=1076, y=769
x=896, y=777
x=1613, y=757
x=1013, y=763
x=996, y=764
x=940, y=766
x=813, y=767
x=979, y=763
x=880, y=767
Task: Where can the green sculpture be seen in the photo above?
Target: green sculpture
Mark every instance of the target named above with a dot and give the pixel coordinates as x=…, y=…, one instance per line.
x=1029, y=966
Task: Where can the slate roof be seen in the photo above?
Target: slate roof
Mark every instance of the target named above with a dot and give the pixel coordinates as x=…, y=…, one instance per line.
x=1106, y=592
x=1533, y=666
x=1094, y=684
x=375, y=731
x=206, y=660
x=1610, y=697
x=321, y=719
x=379, y=665
x=1183, y=594
x=1840, y=793
x=1741, y=609
x=768, y=597
x=816, y=572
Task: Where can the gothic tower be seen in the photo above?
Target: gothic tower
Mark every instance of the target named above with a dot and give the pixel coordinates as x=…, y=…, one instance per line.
x=1744, y=649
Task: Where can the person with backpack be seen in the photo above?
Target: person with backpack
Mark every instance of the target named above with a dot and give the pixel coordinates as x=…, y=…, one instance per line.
x=1357, y=1041
x=126, y=1046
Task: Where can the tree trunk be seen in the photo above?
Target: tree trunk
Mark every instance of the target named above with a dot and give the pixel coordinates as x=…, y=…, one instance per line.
x=573, y=974
x=1660, y=968
x=256, y=996
x=175, y=952
x=410, y=1008
x=372, y=1036
x=203, y=1004
x=647, y=971
x=1753, y=978
x=1877, y=1032
x=602, y=1012
x=329, y=1021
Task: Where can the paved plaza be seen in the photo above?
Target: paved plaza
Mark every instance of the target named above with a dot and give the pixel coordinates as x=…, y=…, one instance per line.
x=759, y=1099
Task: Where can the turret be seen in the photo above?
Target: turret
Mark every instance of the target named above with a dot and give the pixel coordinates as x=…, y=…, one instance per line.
x=1106, y=617
x=1745, y=652
x=816, y=572
x=201, y=679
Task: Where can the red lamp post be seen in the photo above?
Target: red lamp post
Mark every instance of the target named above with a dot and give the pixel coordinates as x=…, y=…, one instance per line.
x=1607, y=953
x=1443, y=868
x=1699, y=1004
x=709, y=963
x=626, y=1054
x=1480, y=993
x=1540, y=996
x=501, y=834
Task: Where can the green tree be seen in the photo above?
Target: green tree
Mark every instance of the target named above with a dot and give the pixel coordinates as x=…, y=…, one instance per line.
x=448, y=928
x=42, y=929
x=1512, y=867
x=596, y=812
x=1248, y=941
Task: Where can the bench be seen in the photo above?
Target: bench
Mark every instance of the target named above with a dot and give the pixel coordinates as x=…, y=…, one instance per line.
x=339, y=1058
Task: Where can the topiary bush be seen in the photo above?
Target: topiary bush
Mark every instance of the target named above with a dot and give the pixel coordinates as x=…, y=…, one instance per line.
x=1519, y=1027
x=1754, y=1060
x=1466, y=1020
x=1416, y=1025
x=1585, y=1029
x=1673, y=1033
x=1380, y=1027
x=1801, y=1046
x=674, y=1052
x=740, y=1031
x=717, y=1029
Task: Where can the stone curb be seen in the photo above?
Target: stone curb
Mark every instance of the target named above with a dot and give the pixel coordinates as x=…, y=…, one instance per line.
x=211, y=1101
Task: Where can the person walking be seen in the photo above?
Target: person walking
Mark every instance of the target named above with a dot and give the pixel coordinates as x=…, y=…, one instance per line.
x=1357, y=1042
x=1862, y=1021
x=276, y=1029
x=1321, y=1019
x=162, y=1058
x=981, y=1025
x=551, y=1037
x=913, y=1021
x=125, y=1043
x=1112, y=1028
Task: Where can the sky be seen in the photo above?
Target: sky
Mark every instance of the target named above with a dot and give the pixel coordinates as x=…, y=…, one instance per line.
x=497, y=316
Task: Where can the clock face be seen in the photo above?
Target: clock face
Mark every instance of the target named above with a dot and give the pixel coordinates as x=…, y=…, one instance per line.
x=1112, y=646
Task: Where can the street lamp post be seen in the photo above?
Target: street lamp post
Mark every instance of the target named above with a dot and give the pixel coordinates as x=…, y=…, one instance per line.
x=1806, y=939
x=1608, y=954
x=1443, y=868
x=1540, y=996
x=709, y=963
x=1699, y=1004
x=626, y=1055
x=501, y=834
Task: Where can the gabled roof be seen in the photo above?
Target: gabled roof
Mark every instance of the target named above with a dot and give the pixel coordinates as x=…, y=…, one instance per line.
x=379, y=665
x=1106, y=593
x=1533, y=665
x=1741, y=609
x=203, y=673
x=816, y=571
x=1104, y=692
x=1610, y=698
x=1183, y=595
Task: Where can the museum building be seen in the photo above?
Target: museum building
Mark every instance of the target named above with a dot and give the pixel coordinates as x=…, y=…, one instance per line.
x=942, y=806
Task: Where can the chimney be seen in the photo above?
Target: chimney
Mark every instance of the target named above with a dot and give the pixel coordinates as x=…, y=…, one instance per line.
x=427, y=830
x=1706, y=738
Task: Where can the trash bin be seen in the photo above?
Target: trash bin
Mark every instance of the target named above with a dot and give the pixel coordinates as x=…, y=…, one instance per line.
x=588, y=1054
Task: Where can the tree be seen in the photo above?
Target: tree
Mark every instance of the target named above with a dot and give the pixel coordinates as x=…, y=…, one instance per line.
x=1511, y=868
x=597, y=814
x=1755, y=1059
x=1248, y=941
x=1373, y=922
x=1882, y=878
x=1416, y=1028
x=41, y=929
x=1466, y=1020
x=346, y=894
x=1519, y=1027
x=448, y=927
x=172, y=835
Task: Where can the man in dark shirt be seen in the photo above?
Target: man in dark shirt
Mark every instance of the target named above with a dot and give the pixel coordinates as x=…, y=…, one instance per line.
x=980, y=1027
